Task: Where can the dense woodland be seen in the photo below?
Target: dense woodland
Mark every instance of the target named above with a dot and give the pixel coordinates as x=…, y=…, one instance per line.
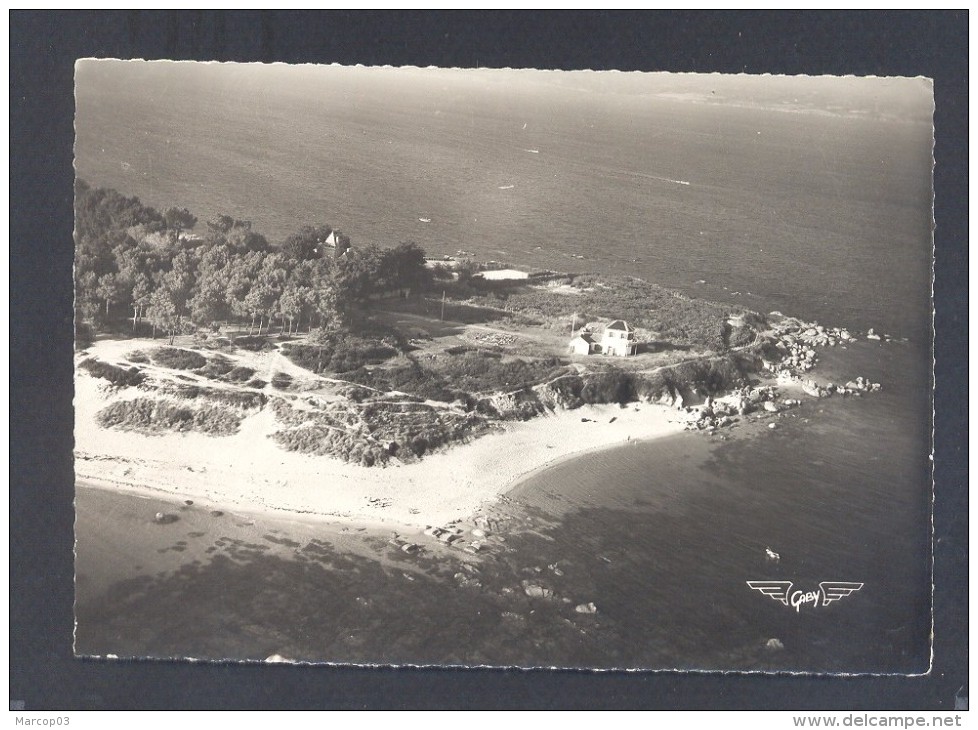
x=132, y=261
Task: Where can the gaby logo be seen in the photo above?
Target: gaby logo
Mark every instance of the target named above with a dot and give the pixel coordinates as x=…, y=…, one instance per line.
x=780, y=590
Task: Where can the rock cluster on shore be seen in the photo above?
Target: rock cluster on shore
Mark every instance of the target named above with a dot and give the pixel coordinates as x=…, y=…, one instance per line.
x=795, y=346
x=746, y=400
x=853, y=387
x=798, y=340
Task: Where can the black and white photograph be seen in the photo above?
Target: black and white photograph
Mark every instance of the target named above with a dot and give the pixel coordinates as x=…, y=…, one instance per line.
x=497, y=367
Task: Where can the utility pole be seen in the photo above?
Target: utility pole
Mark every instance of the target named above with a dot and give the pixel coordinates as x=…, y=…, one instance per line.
x=573, y=324
x=443, y=304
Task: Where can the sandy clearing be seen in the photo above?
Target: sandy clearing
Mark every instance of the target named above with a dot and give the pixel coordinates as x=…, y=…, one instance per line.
x=503, y=274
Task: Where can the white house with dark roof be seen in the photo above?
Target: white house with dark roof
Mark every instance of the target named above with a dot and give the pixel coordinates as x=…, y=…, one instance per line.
x=618, y=339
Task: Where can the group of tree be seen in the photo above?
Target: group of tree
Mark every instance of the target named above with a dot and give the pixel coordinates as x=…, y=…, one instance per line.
x=134, y=261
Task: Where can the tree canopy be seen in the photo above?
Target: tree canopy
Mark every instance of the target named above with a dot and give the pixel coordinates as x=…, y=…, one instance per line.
x=131, y=258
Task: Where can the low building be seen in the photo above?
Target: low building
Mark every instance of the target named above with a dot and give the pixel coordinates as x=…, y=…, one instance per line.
x=583, y=344
x=617, y=340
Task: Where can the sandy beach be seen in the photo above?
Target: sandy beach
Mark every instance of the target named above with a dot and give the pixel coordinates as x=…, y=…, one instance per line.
x=248, y=471
x=249, y=524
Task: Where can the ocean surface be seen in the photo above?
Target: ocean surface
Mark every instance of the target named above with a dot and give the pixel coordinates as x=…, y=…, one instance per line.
x=809, y=197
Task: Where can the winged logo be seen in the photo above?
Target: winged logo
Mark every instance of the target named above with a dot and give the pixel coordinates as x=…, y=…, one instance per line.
x=828, y=592
x=776, y=589
x=836, y=590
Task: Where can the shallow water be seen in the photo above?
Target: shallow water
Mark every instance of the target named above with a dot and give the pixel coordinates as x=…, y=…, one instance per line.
x=660, y=536
x=840, y=490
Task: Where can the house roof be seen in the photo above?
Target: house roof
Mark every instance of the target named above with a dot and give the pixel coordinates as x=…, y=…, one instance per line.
x=586, y=336
x=619, y=324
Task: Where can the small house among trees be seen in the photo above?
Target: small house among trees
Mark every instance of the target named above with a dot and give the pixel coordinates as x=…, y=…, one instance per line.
x=129, y=258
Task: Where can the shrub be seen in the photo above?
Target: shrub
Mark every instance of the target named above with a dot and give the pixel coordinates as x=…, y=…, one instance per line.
x=117, y=377
x=652, y=386
x=712, y=375
x=410, y=378
x=253, y=343
x=741, y=336
x=326, y=441
x=173, y=357
x=466, y=399
x=342, y=352
x=282, y=381
x=380, y=430
x=766, y=349
x=256, y=383
x=235, y=398
x=216, y=366
x=567, y=390
x=357, y=394
x=219, y=343
x=311, y=357
x=84, y=335
x=482, y=371
x=137, y=356
x=239, y=374
x=459, y=349
x=674, y=317
x=611, y=386
x=152, y=416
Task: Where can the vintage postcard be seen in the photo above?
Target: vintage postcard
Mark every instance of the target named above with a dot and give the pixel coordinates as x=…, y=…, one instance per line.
x=508, y=368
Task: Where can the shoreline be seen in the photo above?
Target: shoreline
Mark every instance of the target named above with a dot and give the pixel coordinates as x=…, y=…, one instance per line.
x=248, y=472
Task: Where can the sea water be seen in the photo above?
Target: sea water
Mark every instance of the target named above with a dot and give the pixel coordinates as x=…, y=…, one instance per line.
x=816, y=212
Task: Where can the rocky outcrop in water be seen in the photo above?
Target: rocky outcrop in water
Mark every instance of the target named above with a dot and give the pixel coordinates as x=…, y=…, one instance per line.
x=795, y=341
x=852, y=388
x=741, y=402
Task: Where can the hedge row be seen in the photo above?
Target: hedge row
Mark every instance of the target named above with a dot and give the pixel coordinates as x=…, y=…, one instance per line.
x=376, y=433
x=151, y=416
x=175, y=358
x=243, y=399
x=118, y=377
x=341, y=352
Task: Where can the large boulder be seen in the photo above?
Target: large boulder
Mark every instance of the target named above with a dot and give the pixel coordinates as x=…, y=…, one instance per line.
x=535, y=591
x=519, y=406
